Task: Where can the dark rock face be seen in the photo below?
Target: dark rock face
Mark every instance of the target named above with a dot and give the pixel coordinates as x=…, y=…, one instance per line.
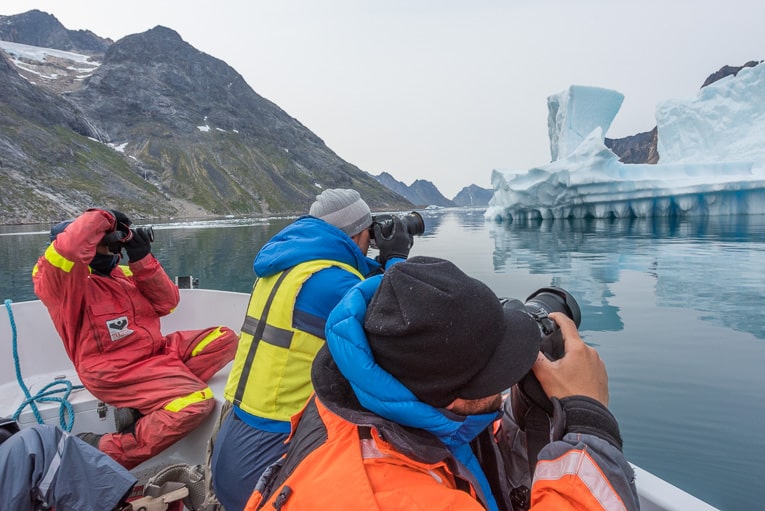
x=37, y=28
x=473, y=196
x=420, y=193
x=727, y=71
x=428, y=194
x=392, y=184
x=640, y=148
x=159, y=129
x=33, y=103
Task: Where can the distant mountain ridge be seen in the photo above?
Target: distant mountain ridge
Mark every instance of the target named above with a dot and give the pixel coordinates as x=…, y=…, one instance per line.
x=37, y=28
x=473, y=196
x=420, y=193
x=153, y=127
x=424, y=193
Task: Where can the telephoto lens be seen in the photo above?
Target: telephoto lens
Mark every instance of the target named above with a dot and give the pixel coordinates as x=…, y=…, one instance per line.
x=539, y=305
x=545, y=300
x=415, y=225
x=528, y=394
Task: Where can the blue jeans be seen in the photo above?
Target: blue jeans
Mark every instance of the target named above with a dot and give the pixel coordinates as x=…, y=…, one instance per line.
x=241, y=454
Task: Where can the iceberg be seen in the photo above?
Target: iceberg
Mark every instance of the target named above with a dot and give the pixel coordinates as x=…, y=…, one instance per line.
x=574, y=113
x=711, y=148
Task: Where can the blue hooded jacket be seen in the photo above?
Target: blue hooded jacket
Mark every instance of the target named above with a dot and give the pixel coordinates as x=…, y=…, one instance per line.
x=308, y=239
x=378, y=391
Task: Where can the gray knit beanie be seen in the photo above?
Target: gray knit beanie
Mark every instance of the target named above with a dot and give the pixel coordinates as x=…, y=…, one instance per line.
x=345, y=209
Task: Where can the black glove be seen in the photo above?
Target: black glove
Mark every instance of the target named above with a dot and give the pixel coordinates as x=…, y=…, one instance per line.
x=396, y=245
x=123, y=222
x=114, y=241
x=139, y=245
x=586, y=415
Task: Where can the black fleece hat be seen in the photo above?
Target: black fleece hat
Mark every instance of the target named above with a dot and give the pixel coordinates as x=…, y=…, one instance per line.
x=445, y=335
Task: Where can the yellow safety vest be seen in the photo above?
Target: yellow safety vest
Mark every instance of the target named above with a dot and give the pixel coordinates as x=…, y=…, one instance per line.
x=271, y=375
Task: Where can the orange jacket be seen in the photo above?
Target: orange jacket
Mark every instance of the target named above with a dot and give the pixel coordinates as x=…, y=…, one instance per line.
x=354, y=468
x=342, y=456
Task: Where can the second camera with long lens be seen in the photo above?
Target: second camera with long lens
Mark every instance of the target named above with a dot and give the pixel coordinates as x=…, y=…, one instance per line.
x=539, y=305
x=414, y=223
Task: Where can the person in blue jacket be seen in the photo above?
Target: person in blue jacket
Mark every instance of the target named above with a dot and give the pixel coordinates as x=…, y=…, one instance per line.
x=302, y=273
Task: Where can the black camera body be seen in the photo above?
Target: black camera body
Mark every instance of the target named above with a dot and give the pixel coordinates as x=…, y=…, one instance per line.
x=539, y=305
x=539, y=420
x=528, y=392
x=414, y=223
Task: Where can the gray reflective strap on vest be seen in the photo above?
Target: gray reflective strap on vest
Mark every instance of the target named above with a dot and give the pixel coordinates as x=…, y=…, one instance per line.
x=271, y=334
x=257, y=335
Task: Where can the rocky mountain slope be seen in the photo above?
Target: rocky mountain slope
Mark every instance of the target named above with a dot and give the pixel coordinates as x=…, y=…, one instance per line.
x=473, y=196
x=37, y=28
x=150, y=126
x=420, y=193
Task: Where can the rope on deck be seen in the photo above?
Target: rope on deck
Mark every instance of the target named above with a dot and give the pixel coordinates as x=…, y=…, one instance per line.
x=47, y=393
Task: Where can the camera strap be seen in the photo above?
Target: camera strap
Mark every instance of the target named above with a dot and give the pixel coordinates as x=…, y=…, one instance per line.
x=541, y=419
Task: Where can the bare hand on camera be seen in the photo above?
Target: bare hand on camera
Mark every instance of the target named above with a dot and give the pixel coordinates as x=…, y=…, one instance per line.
x=580, y=372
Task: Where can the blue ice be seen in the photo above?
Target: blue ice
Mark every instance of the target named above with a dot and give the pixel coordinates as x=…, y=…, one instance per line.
x=711, y=148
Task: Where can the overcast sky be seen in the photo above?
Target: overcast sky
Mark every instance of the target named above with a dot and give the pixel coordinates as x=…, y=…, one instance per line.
x=445, y=90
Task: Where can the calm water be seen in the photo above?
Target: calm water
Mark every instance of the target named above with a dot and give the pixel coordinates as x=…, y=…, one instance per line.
x=674, y=308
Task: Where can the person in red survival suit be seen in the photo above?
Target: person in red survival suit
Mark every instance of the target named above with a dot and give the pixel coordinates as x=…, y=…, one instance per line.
x=108, y=317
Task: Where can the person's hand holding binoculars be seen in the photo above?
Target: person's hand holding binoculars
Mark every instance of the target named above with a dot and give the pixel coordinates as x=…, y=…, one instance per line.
x=137, y=242
x=139, y=245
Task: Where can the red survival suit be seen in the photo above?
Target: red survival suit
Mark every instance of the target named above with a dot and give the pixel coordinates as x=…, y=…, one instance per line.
x=110, y=326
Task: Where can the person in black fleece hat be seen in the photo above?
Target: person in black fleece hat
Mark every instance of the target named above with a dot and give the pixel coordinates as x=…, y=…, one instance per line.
x=408, y=408
x=445, y=335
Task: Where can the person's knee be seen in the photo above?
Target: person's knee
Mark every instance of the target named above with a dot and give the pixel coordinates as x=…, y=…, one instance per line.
x=192, y=409
x=229, y=339
x=204, y=408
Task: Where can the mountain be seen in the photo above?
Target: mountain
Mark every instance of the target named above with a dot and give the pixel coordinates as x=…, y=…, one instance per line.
x=642, y=147
x=639, y=148
x=37, y=28
x=425, y=193
x=420, y=193
x=152, y=127
x=473, y=196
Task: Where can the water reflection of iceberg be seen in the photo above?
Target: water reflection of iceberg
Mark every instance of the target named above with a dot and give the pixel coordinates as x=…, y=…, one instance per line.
x=711, y=148
x=710, y=264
